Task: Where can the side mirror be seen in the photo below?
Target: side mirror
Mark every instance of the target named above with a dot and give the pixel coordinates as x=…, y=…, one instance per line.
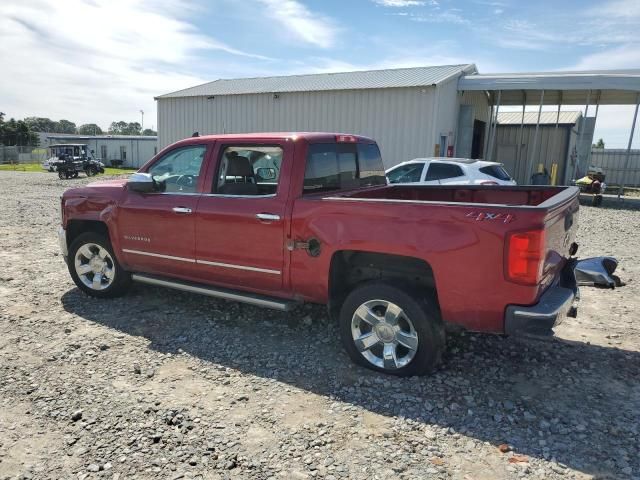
x=142, y=183
x=266, y=173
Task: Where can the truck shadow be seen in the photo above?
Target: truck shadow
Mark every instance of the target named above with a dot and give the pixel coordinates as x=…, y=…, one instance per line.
x=548, y=398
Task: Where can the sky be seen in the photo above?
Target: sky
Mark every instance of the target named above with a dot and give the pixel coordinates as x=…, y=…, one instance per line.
x=104, y=60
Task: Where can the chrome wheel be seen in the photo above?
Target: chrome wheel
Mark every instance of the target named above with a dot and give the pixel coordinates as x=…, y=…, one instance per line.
x=384, y=334
x=94, y=266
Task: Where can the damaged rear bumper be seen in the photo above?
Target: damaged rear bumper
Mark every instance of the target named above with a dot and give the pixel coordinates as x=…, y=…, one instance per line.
x=560, y=300
x=556, y=303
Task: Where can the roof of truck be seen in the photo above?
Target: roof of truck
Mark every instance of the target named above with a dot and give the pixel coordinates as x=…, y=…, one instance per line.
x=314, y=136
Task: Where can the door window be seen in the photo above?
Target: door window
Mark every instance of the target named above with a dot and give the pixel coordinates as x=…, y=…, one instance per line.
x=249, y=170
x=179, y=170
x=337, y=166
x=406, y=173
x=442, y=171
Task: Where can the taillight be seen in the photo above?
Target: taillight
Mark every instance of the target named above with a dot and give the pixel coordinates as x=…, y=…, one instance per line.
x=525, y=257
x=346, y=139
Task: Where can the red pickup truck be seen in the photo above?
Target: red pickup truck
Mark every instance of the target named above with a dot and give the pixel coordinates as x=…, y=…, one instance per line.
x=276, y=219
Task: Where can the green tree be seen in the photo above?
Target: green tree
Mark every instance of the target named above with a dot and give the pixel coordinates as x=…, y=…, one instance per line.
x=89, y=129
x=149, y=132
x=65, y=126
x=124, y=128
x=17, y=132
x=599, y=144
x=42, y=124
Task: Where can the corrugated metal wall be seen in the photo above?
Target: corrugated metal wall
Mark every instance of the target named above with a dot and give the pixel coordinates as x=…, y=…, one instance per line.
x=400, y=119
x=612, y=162
x=480, y=104
x=552, y=147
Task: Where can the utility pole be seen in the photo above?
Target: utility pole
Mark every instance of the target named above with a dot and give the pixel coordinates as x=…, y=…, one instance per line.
x=142, y=123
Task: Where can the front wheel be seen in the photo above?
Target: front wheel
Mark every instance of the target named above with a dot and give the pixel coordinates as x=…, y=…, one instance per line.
x=62, y=174
x=94, y=268
x=391, y=330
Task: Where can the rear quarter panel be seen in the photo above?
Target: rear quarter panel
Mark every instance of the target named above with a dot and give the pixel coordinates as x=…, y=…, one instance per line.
x=466, y=254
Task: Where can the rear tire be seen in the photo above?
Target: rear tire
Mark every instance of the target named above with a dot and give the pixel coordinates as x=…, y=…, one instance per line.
x=94, y=267
x=392, y=330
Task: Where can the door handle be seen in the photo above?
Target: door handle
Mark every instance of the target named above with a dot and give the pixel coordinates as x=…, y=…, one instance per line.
x=184, y=210
x=269, y=217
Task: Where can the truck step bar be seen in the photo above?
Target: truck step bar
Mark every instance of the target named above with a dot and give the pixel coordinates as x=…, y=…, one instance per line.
x=233, y=295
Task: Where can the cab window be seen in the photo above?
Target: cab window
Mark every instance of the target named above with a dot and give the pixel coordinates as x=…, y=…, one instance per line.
x=337, y=166
x=249, y=170
x=179, y=170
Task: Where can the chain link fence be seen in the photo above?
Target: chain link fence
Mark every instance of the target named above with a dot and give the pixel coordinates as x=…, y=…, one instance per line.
x=22, y=155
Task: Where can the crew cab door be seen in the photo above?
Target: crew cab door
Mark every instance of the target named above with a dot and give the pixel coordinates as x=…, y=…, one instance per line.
x=157, y=230
x=240, y=223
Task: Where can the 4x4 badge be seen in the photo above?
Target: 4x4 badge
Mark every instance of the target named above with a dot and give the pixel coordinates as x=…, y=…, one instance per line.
x=479, y=216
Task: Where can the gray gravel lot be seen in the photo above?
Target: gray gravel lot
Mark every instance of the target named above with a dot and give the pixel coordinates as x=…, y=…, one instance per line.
x=161, y=384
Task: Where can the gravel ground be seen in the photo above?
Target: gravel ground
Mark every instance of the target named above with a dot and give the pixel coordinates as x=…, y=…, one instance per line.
x=161, y=384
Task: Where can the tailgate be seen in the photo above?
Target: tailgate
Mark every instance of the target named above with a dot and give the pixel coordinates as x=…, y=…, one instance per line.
x=560, y=225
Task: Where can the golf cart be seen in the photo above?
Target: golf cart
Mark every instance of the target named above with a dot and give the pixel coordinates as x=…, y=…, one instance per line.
x=69, y=159
x=593, y=183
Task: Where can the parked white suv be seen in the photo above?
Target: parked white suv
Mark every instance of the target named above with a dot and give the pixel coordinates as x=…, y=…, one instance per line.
x=449, y=171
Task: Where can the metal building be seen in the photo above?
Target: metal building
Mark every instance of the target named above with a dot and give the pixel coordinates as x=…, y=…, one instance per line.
x=448, y=110
x=557, y=146
x=411, y=112
x=119, y=150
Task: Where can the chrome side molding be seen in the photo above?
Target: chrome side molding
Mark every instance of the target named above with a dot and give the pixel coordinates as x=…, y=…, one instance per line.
x=233, y=295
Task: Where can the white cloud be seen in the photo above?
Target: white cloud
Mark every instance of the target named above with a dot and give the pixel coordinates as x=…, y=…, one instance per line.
x=99, y=60
x=621, y=57
x=302, y=23
x=617, y=9
x=447, y=16
x=400, y=3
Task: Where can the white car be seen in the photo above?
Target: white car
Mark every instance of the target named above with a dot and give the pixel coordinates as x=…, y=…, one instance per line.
x=449, y=171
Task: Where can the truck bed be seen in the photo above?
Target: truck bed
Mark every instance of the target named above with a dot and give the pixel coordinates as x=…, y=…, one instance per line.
x=516, y=196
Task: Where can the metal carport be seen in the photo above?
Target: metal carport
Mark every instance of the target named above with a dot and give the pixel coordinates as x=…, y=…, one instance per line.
x=589, y=88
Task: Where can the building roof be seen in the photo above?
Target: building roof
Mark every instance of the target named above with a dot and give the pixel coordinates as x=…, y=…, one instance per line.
x=531, y=118
x=390, y=78
x=610, y=87
x=71, y=136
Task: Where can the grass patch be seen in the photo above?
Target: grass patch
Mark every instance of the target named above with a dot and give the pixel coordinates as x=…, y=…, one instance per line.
x=36, y=167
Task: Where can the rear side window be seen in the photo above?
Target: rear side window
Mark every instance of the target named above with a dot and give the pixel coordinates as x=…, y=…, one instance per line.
x=496, y=171
x=440, y=171
x=337, y=166
x=406, y=173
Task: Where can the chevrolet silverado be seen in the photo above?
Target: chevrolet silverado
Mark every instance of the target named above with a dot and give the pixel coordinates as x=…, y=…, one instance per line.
x=277, y=219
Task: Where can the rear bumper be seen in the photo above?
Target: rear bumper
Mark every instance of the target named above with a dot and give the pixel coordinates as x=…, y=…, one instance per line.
x=556, y=303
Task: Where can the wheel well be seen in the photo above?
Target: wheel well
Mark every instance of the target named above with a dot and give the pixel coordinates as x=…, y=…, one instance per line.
x=351, y=267
x=77, y=227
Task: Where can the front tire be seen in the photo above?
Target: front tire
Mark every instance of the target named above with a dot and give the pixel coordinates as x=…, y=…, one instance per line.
x=394, y=331
x=94, y=267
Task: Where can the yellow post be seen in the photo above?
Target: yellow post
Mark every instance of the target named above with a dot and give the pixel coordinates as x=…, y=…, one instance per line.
x=554, y=173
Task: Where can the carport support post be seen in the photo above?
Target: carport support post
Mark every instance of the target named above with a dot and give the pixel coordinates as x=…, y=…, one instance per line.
x=493, y=131
x=535, y=140
x=519, y=153
x=626, y=160
x=555, y=137
x=580, y=134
